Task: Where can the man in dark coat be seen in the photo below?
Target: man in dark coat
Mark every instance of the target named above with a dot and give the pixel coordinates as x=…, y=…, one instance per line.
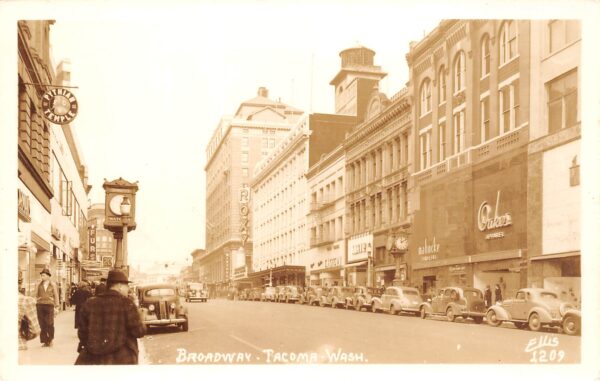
x=110, y=326
x=487, y=296
x=82, y=294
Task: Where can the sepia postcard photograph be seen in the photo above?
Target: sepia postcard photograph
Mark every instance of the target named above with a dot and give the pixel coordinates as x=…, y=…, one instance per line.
x=306, y=190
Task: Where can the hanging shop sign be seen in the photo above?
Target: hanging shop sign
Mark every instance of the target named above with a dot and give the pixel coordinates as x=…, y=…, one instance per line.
x=59, y=106
x=24, y=206
x=489, y=218
x=244, y=213
x=92, y=241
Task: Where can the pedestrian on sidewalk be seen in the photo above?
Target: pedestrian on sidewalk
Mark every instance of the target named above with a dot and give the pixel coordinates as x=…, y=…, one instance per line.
x=498, y=293
x=47, y=307
x=82, y=294
x=29, y=326
x=487, y=296
x=110, y=325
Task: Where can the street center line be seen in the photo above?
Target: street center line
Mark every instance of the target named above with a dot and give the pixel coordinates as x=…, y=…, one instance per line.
x=245, y=342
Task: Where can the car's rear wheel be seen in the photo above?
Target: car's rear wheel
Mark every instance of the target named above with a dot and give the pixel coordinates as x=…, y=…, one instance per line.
x=571, y=325
x=492, y=318
x=534, y=322
x=393, y=310
x=450, y=314
x=422, y=312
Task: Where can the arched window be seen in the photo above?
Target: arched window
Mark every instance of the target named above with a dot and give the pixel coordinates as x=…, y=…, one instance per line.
x=460, y=74
x=485, y=56
x=442, y=85
x=425, y=96
x=508, y=41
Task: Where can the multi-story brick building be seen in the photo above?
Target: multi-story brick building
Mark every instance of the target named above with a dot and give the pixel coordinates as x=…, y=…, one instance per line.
x=104, y=245
x=471, y=83
x=280, y=192
x=52, y=186
x=237, y=144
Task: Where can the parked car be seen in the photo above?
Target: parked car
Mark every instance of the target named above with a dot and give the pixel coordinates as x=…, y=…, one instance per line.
x=291, y=294
x=196, y=291
x=453, y=302
x=269, y=294
x=307, y=293
x=363, y=297
x=339, y=296
x=571, y=322
x=314, y=295
x=398, y=299
x=279, y=293
x=531, y=307
x=255, y=293
x=162, y=306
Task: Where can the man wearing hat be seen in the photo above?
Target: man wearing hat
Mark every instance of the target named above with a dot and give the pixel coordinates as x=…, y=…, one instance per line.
x=110, y=325
x=47, y=307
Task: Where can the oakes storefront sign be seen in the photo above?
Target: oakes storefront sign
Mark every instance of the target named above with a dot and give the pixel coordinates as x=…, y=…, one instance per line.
x=489, y=218
x=429, y=250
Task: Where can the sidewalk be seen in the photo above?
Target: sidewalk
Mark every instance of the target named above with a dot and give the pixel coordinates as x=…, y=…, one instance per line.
x=64, y=348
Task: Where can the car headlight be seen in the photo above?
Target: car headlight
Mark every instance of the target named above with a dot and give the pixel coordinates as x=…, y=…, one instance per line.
x=151, y=307
x=172, y=305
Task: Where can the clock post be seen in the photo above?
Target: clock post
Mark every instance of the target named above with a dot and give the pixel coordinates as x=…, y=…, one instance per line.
x=120, y=216
x=397, y=246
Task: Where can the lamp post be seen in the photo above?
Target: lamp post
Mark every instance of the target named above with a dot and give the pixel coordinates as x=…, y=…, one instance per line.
x=125, y=211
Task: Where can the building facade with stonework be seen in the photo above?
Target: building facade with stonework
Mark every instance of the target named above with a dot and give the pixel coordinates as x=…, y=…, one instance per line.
x=238, y=143
x=553, y=190
x=471, y=84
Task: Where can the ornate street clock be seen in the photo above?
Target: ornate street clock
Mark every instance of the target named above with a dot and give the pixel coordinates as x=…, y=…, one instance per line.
x=117, y=191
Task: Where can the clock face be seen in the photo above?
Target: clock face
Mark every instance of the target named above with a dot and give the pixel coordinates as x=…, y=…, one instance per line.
x=402, y=243
x=115, y=204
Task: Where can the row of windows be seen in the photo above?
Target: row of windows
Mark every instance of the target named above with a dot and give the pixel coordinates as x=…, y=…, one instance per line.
x=329, y=192
x=377, y=211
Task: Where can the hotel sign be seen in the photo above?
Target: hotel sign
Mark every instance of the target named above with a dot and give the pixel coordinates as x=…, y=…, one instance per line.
x=489, y=218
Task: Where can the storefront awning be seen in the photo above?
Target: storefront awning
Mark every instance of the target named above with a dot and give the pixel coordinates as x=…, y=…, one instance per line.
x=356, y=264
x=326, y=270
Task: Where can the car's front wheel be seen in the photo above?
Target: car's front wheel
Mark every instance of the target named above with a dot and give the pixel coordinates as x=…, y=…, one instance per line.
x=535, y=324
x=450, y=314
x=184, y=326
x=571, y=325
x=492, y=318
x=393, y=310
x=422, y=312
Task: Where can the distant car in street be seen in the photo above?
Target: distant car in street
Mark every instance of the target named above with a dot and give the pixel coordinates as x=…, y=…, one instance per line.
x=532, y=308
x=453, y=302
x=279, y=294
x=196, y=291
x=397, y=299
x=339, y=296
x=269, y=294
x=363, y=298
x=162, y=306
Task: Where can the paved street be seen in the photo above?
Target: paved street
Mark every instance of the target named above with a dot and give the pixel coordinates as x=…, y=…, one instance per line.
x=224, y=331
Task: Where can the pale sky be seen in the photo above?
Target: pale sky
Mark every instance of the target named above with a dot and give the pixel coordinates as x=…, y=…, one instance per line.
x=153, y=87
x=154, y=80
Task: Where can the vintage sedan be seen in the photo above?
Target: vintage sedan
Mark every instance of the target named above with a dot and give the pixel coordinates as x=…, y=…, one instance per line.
x=531, y=307
x=571, y=324
x=161, y=306
x=363, y=297
x=254, y=293
x=453, y=302
x=279, y=293
x=339, y=296
x=398, y=299
x=316, y=295
x=291, y=294
x=269, y=294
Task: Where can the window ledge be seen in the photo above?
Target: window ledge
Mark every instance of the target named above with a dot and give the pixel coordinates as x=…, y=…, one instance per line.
x=508, y=62
x=549, y=55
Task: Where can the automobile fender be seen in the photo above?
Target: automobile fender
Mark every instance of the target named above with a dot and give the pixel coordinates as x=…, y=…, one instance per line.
x=427, y=306
x=501, y=313
x=375, y=299
x=543, y=314
x=181, y=310
x=456, y=308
